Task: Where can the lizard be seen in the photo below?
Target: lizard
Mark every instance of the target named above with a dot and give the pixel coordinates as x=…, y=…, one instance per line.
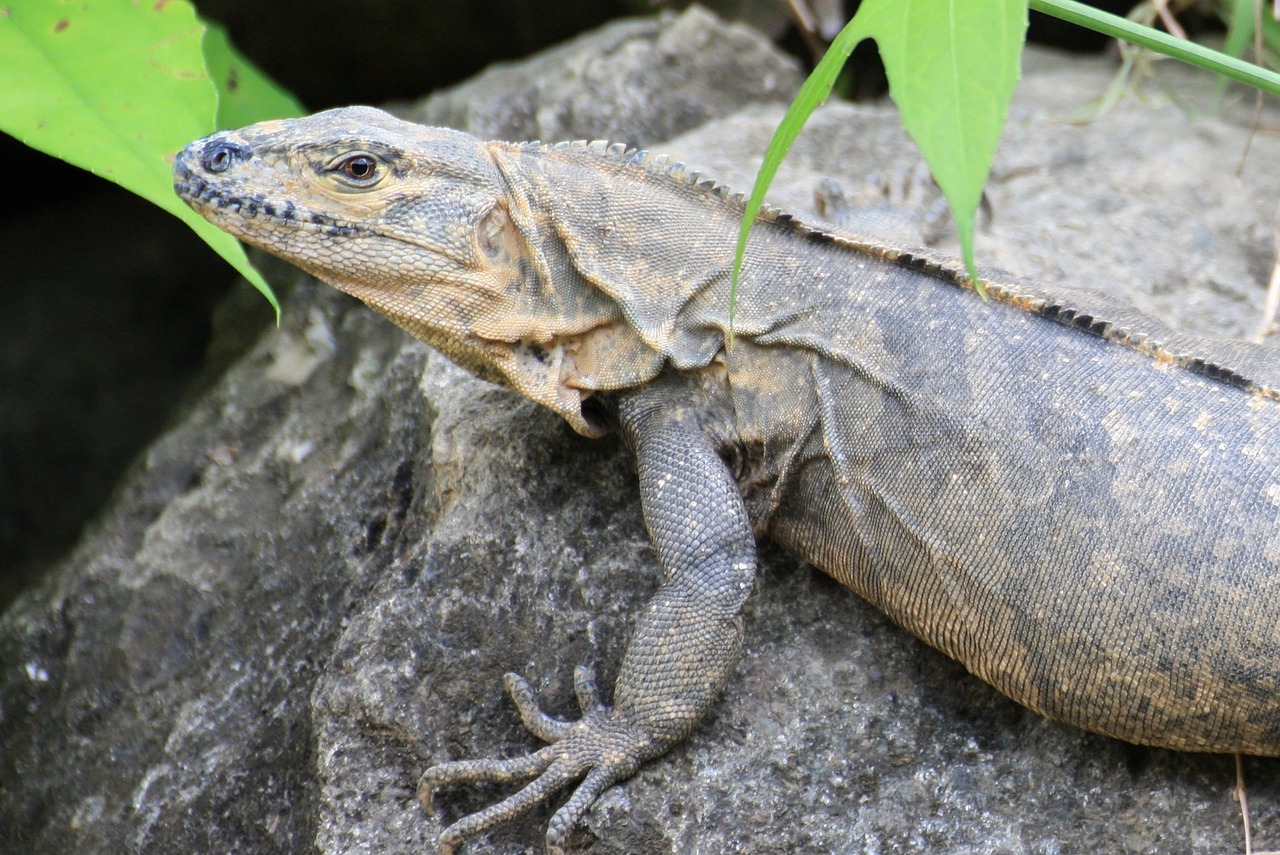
x=1079, y=504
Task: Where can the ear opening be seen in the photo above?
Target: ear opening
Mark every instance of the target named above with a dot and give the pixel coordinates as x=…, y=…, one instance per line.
x=497, y=236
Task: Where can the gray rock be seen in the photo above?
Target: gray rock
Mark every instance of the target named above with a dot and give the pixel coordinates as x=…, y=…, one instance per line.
x=332, y=52
x=641, y=81
x=308, y=589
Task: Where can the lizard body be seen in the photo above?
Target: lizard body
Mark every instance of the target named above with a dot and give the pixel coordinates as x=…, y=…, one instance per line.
x=1077, y=503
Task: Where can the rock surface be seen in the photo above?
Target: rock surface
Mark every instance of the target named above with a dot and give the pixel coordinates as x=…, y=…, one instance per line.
x=309, y=588
x=642, y=81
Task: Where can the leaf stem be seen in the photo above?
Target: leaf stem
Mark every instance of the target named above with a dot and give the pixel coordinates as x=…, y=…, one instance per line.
x=1122, y=28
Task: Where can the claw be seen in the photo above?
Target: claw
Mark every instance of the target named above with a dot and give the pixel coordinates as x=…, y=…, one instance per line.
x=540, y=724
x=567, y=818
x=602, y=746
x=472, y=771
x=538, y=790
x=584, y=686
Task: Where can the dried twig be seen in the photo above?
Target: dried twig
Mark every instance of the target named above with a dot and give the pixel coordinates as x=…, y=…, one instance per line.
x=1272, y=302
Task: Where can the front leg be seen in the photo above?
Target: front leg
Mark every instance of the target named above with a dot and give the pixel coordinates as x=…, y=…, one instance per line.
x=684, y=646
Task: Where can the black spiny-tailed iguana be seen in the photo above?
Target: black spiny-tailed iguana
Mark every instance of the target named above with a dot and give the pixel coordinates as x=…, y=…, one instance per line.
x=1080, y=505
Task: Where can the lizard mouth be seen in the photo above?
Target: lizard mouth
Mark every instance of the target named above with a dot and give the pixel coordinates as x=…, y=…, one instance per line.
x=210, y=198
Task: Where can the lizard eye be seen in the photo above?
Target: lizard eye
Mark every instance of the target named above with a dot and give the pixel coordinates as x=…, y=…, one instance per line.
x=359, y=169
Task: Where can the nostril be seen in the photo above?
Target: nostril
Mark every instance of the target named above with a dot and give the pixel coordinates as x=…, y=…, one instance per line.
x=221, y=156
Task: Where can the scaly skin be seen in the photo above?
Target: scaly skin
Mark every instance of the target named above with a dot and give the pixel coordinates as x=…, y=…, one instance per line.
x=1080, y=505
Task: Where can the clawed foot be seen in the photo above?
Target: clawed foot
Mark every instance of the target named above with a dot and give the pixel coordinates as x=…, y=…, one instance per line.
x=601, y=747
x=902, y=207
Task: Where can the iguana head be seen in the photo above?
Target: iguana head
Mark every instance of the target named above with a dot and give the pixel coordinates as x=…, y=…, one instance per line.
x=418, y=223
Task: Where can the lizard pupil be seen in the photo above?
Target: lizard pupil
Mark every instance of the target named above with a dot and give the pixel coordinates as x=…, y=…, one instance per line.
x=359, y=168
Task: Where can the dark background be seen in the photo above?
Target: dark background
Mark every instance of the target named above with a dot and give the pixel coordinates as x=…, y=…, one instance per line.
x=110, y=302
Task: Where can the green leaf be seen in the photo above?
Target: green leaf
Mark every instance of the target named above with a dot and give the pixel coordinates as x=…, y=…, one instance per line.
x=952, y=68
x=245, y=94
x=115, y=88
x=1239, y=29
x=952, y=75
x=1241, y=21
